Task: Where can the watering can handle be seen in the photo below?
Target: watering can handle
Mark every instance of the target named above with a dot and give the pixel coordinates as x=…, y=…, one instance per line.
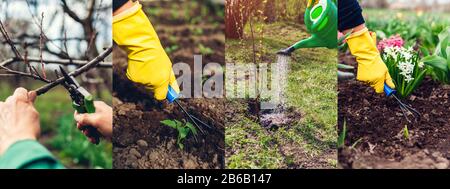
x=172, y=95
x=388, y=91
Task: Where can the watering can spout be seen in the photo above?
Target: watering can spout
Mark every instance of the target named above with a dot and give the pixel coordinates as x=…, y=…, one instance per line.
x=311, y=42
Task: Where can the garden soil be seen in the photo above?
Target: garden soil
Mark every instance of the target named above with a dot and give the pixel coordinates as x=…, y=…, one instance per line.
x=375, y=127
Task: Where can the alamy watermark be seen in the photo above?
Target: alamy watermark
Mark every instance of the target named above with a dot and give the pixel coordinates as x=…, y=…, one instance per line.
x=233, y=80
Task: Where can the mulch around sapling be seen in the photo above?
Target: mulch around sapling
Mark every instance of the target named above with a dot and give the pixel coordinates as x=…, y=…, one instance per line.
x=375, y=123
x=272, y=119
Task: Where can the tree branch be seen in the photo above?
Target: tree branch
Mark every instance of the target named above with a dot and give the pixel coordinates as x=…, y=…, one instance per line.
x=93, y=63
x=8, y=40
x=9, y=71
x=71, y=62
x=91, y=10
x=69, y=12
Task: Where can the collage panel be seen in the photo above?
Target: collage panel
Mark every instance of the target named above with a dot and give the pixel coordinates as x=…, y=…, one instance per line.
x=295, y=42
x=44, y=45
x=154, y=131
x=406, y=126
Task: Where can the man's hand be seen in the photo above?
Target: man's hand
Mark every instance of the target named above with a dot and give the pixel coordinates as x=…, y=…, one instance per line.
x=19, y=120
x=101, y=120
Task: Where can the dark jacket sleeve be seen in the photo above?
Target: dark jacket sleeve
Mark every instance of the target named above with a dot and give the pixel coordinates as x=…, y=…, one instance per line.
x=349, y=14
x=118, y=3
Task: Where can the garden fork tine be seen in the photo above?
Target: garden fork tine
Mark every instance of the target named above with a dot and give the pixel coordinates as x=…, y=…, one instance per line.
x=172, y=96
x=191, y=117
x=408, y=109
x=404, y=107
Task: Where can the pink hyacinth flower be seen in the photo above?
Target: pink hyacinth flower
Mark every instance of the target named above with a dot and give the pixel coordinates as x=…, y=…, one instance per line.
x=393, y=41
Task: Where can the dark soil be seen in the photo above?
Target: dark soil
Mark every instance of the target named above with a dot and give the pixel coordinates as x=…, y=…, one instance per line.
x=375, y=123
x=272, y=119
x=140, y=140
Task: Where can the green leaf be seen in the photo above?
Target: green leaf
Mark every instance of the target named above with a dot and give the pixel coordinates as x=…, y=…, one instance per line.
x=341, y=139
x=183, y=132
x=417, y=81
x=436, y=61
x=192, y=128
x=170, y=123
x=448, y=59
x=443, y=43
x=425, y=51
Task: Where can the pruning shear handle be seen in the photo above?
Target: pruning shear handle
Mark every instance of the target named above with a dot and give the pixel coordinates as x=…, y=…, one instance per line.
x=82, y=101
x=88, y=107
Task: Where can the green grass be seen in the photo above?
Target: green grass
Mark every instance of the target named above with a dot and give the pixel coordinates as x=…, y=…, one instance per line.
x=59, y=132
x=251, y=152
x=311, y=89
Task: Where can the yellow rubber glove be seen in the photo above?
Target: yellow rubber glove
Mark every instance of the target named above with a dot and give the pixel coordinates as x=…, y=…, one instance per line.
x=148, y=63
x=371, y=68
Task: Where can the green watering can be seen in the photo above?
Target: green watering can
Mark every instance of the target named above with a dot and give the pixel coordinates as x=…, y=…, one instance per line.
x=321, y=22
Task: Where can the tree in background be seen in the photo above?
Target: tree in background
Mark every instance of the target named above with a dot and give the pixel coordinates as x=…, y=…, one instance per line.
x=30, y=34
x=239, y=12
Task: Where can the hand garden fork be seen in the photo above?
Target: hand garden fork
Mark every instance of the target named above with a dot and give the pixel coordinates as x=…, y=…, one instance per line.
x=406, y=109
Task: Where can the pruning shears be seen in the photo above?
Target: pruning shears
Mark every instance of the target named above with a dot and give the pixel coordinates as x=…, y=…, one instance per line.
x=82, y=101
x=406, y=109
x=172, y=96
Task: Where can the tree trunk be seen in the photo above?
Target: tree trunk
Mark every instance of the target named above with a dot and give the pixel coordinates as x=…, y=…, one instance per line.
x=270, y=12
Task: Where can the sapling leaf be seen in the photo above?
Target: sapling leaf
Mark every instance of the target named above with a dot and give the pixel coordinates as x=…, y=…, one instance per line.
x=179, y=123
x=192, y=128
x=183, y=130
x=170, y=123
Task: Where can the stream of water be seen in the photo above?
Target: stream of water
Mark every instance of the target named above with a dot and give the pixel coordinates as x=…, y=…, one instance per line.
x=277, y=116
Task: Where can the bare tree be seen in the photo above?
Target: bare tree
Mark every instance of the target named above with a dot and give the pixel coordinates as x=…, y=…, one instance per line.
x=20, y=45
